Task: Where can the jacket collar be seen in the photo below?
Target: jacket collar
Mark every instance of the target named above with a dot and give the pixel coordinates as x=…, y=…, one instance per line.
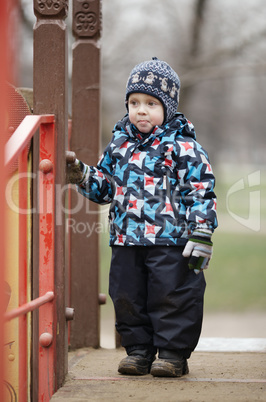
x=179, y=124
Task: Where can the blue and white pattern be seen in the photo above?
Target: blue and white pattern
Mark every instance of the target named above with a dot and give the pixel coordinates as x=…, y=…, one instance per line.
x=160, y=186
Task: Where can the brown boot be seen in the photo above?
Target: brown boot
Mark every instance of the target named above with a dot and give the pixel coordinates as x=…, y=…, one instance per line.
x=169, y=364
x=138, y=362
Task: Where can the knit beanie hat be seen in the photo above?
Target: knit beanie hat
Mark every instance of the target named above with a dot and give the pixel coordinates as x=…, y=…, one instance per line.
x=158, y=79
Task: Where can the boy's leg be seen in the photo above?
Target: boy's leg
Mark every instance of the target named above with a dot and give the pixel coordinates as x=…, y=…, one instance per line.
x=175, y=305
x=128, y=290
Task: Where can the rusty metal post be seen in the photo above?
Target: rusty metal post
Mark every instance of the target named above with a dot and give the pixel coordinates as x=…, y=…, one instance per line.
x=85, y=141
x=50, y=96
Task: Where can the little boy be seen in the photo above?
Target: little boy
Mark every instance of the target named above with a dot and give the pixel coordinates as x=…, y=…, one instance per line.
x=159, y=183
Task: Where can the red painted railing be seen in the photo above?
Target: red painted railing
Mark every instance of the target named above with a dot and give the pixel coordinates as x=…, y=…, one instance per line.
x=16, y=148
x=4, y=70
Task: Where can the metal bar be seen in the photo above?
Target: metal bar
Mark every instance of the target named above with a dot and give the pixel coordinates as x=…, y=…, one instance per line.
x=23, y=253
x=47, y=324
x=30, y=306
x=22, y=135
x=4, y=77
x=85, y=141
x=35, y=268
x=50, y=83
x=68, y=239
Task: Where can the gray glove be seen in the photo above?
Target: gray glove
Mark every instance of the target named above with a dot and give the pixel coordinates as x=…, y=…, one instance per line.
x=75, y=169
x=199, y=249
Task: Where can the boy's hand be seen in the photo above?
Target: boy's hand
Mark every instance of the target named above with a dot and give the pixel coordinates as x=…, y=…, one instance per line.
x=199, y=249
x=70, y=157
x=74, y=169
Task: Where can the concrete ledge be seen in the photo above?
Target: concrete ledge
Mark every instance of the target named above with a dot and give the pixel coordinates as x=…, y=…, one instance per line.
x=232, y=345
x=232, y=376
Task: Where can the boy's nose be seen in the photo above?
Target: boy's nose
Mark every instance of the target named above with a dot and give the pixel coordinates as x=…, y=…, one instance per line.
x=142, y=109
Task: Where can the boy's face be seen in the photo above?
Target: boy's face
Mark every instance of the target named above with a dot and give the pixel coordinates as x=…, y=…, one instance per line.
x=145, y=112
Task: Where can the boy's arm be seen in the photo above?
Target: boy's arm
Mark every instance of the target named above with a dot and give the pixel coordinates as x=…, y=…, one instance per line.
x=196, y=185
x=197, y=190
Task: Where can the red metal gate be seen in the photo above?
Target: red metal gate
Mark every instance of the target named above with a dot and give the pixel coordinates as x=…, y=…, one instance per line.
x=16, y=147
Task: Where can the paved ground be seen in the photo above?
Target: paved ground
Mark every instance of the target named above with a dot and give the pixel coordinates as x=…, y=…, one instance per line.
x=214, y=376
x=229, y=365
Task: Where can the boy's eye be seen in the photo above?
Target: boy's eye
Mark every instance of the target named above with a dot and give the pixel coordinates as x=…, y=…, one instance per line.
x=153, y=103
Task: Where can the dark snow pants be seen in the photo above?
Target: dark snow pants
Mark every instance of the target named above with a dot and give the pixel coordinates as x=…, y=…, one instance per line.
x=158, y=301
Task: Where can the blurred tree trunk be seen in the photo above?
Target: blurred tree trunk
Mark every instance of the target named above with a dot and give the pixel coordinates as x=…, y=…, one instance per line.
x=193, y=51
x=196, y=29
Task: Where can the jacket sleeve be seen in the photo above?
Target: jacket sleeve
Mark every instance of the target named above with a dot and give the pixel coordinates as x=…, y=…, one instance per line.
x=196, y=181
x=98, y=187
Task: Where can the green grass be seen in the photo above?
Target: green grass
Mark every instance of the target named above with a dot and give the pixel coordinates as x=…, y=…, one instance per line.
x=236, y=278
x=239, y=201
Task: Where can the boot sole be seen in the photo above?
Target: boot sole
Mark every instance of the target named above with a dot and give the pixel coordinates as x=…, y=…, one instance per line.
x=133, y=369
x=167, y=369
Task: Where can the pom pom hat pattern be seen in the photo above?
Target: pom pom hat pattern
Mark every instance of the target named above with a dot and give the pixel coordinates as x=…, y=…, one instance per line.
x=158, y=79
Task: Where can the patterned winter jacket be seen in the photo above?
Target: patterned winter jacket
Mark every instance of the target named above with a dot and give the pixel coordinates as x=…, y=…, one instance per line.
x=160, y=185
